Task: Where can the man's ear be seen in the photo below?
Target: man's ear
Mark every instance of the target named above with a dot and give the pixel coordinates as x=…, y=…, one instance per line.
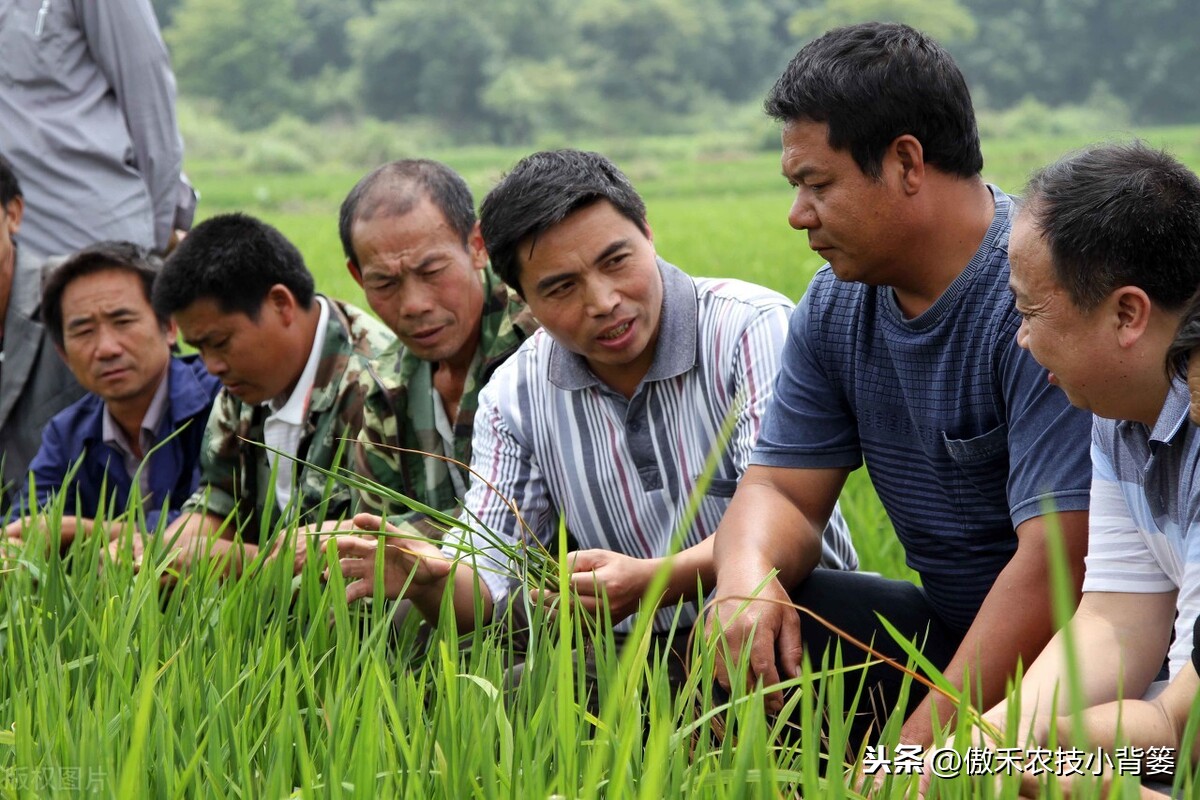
x=281, y=300
x=476, y=248
x=355, y=272
x=14, y=210
x=909, y=162
x=1132, y=309
x=171, y=332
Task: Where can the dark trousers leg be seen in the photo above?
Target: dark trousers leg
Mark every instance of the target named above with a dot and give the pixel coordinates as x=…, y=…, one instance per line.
x=851, y=602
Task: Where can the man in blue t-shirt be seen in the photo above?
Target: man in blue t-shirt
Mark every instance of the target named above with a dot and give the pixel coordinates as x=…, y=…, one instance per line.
x=902, y=356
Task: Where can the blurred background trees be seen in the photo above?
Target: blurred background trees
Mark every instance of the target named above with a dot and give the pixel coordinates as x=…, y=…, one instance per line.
x=510, y=71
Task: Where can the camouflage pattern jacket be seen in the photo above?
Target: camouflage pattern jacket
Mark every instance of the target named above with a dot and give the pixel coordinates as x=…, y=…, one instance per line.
x=400, y=413
x=235, y=472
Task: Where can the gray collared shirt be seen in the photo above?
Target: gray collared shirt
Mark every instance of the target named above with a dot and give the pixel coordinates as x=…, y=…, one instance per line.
x=1144, y=522
x=87, y=118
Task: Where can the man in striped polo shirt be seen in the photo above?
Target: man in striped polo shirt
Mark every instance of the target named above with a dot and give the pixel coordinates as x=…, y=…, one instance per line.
x=605, y=418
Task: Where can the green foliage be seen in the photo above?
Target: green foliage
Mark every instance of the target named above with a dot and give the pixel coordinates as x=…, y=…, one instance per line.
x=239, y=53
x=945, y=20
x=519, y=71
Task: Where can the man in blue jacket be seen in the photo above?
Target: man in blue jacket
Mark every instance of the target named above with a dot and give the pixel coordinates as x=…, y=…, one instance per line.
x=131, y=446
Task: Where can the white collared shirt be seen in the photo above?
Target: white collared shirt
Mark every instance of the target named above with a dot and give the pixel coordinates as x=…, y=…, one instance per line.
x=284, y=428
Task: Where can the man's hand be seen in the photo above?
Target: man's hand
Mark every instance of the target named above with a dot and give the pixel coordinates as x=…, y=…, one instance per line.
x=767, y=625
x=184, y=554
x=596, y=574
x=297, y=548
x=406, y=562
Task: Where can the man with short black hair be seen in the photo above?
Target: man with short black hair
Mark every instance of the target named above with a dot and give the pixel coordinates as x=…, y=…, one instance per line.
x=902, y=355
x=145, y=413
x=1105, y=257
x=290, y=361
x=607, y=416
x=35, y=384
x=412, y=242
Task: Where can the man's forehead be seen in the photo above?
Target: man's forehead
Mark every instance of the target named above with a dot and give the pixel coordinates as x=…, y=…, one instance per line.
x=205, y=315
x=105, y=292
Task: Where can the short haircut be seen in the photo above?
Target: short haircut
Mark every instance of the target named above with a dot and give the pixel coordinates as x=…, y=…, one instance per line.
x=120, y=256
x=395, y=189
x=10, y=187
x=541, y=191
x=233, y=260
x=1117, y=215
x=874, y=82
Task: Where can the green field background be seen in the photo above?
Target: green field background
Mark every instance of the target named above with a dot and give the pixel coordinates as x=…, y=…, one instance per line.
x=160, y=684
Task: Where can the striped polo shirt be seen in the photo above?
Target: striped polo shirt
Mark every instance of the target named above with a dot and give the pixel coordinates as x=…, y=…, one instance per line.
x=1144, y=526
x=557, y=441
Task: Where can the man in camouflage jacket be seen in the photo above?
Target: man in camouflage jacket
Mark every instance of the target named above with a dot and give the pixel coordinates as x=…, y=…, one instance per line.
x=412, y=242
x=291, y=362
x=235, y=470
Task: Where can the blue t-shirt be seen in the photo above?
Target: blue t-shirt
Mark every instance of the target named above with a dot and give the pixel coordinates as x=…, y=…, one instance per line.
x=961, y=432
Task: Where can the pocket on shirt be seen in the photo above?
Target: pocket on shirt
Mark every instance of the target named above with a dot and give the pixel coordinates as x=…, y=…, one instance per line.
x=983, y=461
x=30, y=57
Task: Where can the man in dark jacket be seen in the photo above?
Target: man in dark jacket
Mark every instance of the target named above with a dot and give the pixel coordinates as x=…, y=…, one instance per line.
x=136, y=435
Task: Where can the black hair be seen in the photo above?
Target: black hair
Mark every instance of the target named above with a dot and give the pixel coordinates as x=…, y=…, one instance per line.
x=1187, y=338
x=874, y=82
x=540, y=192
x=394, y=189
x=234, y=260
x=10, y=187
x=120, y=256
x=1119, y=215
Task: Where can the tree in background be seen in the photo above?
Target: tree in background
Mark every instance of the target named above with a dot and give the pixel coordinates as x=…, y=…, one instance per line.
x=508, y=71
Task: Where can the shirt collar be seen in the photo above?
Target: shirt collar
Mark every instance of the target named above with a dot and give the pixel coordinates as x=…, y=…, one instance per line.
x=110, y=431
x=1173, y=416
x=675, y=350
x=292, y=410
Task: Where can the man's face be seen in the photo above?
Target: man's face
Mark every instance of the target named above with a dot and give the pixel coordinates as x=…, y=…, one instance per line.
x=593, y=282
x=256, y=360
x=850, y=218
x=111, y=339
x=422, y=281
x=1068, y=342
x=10, y=223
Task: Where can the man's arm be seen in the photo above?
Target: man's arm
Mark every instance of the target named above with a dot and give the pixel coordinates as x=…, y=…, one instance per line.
x=1015, y=622
x=125, y=41
x=774, y=522
x=1122, y=635
x=1140, y=723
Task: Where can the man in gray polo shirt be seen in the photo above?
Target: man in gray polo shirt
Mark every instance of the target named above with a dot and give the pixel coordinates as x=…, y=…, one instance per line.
x=87, y=117
x=606, y=416
x=1105, y=254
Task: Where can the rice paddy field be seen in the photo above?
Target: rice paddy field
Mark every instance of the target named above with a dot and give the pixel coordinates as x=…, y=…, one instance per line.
x=270, y=686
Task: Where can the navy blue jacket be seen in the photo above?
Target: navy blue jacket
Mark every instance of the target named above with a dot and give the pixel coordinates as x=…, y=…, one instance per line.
x=174, y=467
